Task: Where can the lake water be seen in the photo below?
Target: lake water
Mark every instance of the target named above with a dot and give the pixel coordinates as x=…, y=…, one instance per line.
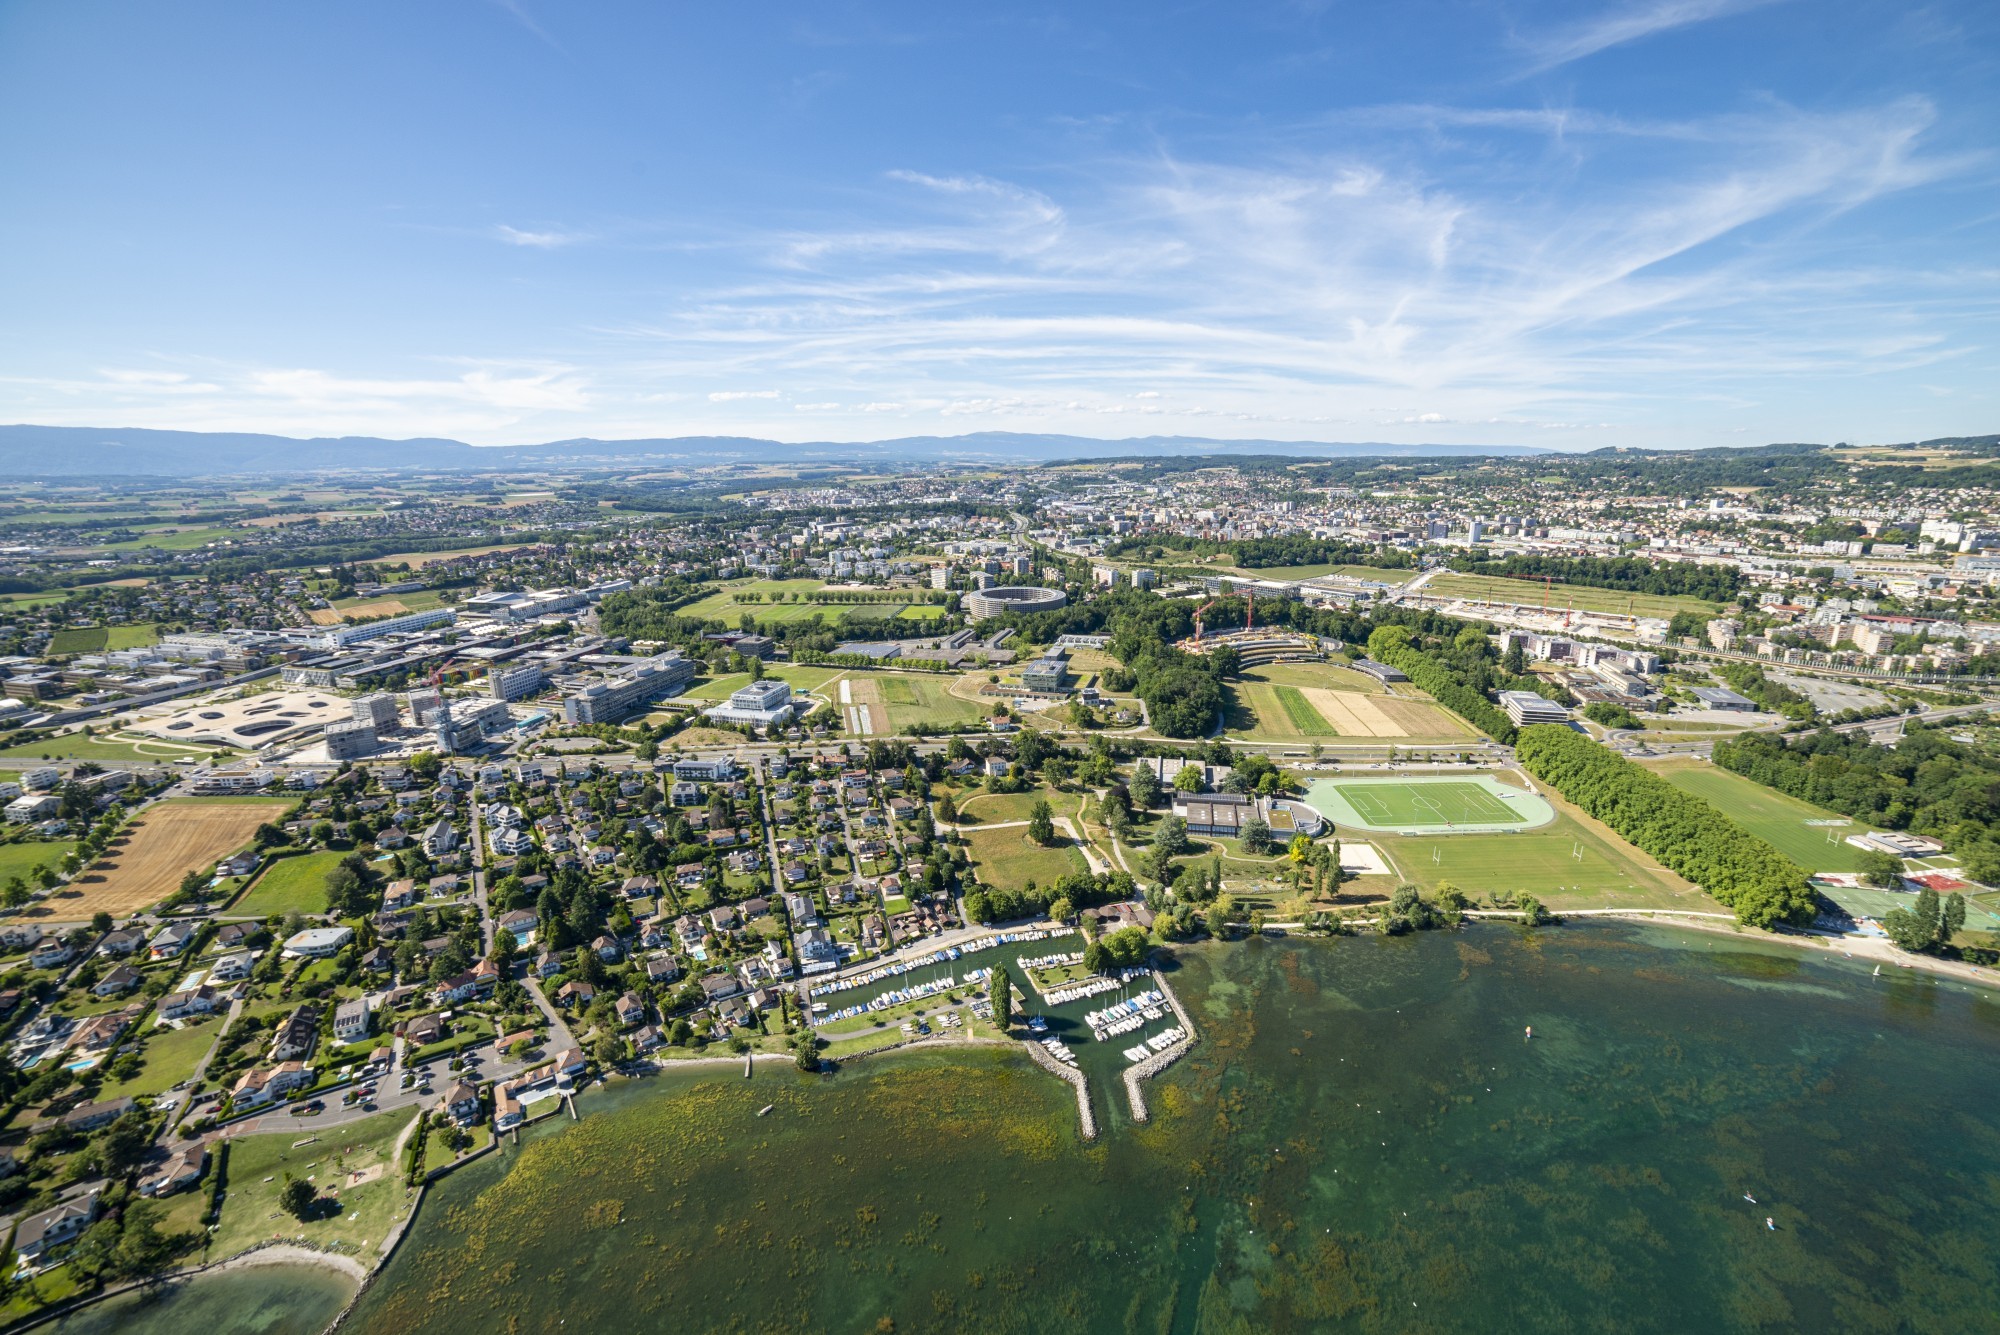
x=1365, y=1140
x=259, y=1300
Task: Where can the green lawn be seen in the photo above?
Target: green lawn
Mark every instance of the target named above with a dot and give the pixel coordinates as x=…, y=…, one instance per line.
x=256, y=1173
x=23, y=855
x=916, y=698
x=722, y=605
x=75, y=746
x=1771, y=815
x=984, y=808
x=289, y=884
x=1007, y=859
x=169, y=1057
x=1565, y=865
x=132, y=637
x=181, y=540
x=1498, y=588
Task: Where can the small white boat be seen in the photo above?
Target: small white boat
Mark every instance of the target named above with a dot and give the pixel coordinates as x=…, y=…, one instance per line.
x=766, y=1109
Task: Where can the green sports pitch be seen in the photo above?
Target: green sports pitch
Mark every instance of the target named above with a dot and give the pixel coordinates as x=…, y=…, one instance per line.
x=1428, y=803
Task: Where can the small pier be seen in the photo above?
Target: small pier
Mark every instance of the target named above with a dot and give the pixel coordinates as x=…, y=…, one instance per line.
x=1159, y=1061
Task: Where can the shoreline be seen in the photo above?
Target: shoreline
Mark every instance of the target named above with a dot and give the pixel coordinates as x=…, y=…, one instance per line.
x=1875, y=949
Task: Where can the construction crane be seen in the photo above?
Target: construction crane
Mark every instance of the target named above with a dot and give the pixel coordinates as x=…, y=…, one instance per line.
x=1249, y=611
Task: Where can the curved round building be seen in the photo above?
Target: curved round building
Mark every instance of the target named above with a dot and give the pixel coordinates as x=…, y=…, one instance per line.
x=983, y=603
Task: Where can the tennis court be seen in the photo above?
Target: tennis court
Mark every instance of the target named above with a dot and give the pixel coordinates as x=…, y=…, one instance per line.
x=1428, y=804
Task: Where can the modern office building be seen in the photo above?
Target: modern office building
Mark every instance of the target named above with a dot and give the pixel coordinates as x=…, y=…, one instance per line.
x=378, y=711
x=511, y=683
x=1525, y=707
x=642, y=683
x=761, y=704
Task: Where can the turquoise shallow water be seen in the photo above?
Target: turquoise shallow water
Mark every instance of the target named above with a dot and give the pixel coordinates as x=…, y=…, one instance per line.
x=1365, y=1141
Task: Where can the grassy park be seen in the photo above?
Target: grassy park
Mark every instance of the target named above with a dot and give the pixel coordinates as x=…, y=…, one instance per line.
x=1007, y=859
x=1770, y=815
x=355, y=1162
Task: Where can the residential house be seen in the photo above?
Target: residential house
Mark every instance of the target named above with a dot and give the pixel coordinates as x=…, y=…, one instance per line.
x=264, y=1084
x=297, y=1036
x=575, y=993
x=121, y=942
x=181, y=1170
x=426, y=1030
x=233, y=967
x=195, y=1001
x=172, y=941
x=351, y=1021
x=122, y=978
x=51, y=953
x=38, y=1234
x=461, y=1102
x=629, y=1009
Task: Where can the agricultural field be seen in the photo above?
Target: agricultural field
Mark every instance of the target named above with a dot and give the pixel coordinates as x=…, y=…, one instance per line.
x=132, y=637
x=79, y=640
x=1007, y=859
x=418, y=560
x=356, y=1163
x=1770, y=815
x=294, y=884
x=361, y=609
x=170, y=539
x=1583, y=597
x=896, y=699
x=167, y=840
x=1286, y=702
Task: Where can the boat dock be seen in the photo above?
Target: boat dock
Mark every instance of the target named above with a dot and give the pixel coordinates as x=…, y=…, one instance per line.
x=1077, y=1080
x=1161, y=1060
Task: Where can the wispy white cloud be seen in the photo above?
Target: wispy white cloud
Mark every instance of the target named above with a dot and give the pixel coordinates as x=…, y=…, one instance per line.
x=1628, y=23
x=536, y=239
x=736, y=395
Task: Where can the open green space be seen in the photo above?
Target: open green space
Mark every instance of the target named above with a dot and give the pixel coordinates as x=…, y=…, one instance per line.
x=21, y=856
x=294, y=884
x=168, y=1057
x=775, y=604
x=984, y=808
x=1008, y=859
x=1314, y=572
x=1567, y=864
x=170, y=539
x=1775, y=817
x=912, y=697
x=802, y=679
x=331, y=1158
x=76, y=746
x=1583, y=597
x=132, y=637
x=1330, y=675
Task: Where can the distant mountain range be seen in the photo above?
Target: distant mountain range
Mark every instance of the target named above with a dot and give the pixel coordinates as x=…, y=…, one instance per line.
x=65, y=451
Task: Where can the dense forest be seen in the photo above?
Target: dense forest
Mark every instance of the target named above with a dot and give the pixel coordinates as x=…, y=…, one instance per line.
x=1762, y=885
x=1927, y=784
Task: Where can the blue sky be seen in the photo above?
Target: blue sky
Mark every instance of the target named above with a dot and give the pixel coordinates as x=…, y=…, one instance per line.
x=1663, y=222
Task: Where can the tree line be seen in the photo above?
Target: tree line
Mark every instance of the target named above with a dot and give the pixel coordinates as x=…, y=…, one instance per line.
x=1928, y=784
x=1685, y=833
x=1635, y=574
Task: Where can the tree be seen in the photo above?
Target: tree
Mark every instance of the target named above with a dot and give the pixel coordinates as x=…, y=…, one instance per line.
x=1256, y=836
x=1172, y=839
x=100, y=922
x=1952, y=919
x=805, y=1051
x=1918, y=927
x=1003, y=997
x=947, y=810
x=297, y=1196
x=1188, y=779
x=1532, y=911
x=1144, y=787
x=1041, y=824
x=1061, y=909
x=1882, y=870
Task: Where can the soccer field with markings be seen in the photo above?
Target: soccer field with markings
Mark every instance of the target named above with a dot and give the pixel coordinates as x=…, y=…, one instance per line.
x=1445, y=803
